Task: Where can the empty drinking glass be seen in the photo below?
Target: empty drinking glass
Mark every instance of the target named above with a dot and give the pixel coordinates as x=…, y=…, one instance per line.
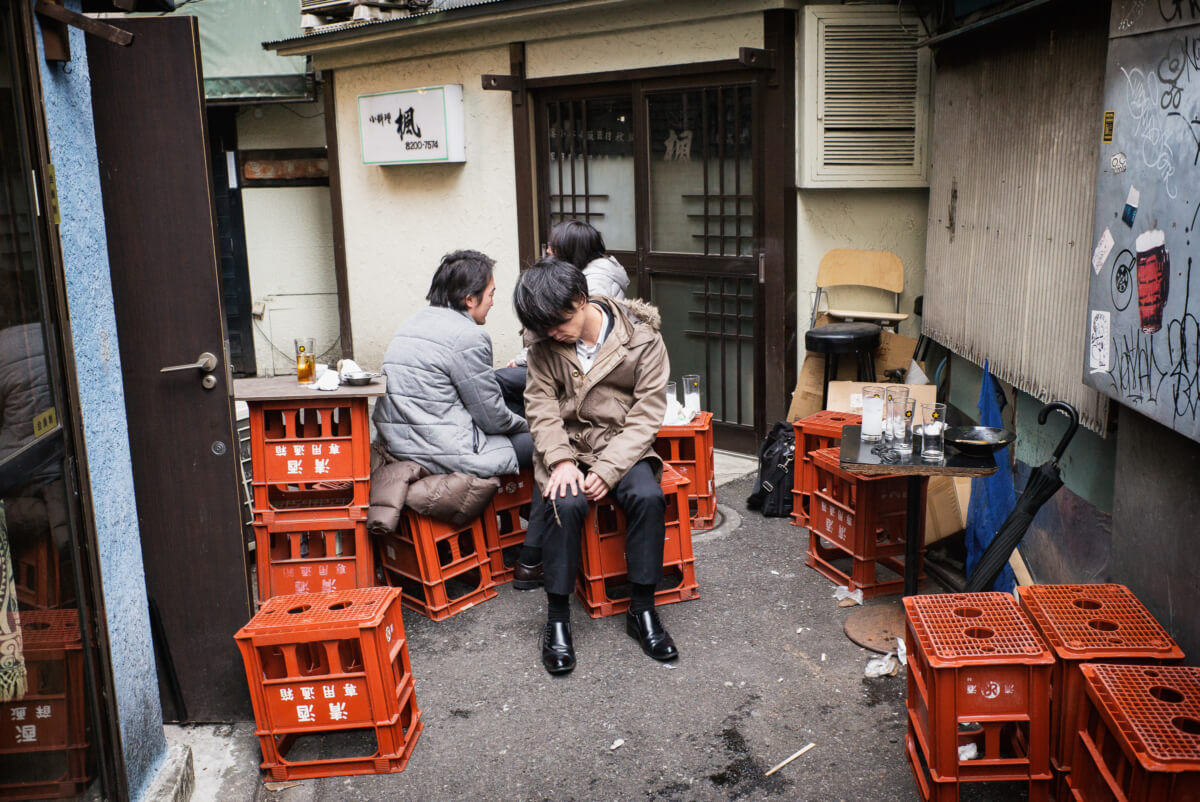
x=894, y=397
x=902, y=426
x=691, y=391
x=933, y=432
x=872, y=414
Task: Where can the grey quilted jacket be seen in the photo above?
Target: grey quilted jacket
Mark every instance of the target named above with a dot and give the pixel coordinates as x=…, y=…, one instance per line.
x=443, y=409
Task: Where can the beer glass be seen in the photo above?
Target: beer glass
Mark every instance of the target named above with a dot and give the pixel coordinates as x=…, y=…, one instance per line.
x=691, y=391
x=933, y=432
x=894, y=397
x=902, y=426
x=872, y=414
x=306, y=360
x=1153, y=278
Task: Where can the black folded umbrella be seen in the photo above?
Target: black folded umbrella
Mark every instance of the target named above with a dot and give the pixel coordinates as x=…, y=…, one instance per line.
x=1044, y=482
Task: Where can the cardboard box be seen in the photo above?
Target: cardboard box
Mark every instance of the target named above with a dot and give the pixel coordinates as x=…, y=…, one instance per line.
x=946, y=501
x=895, y=352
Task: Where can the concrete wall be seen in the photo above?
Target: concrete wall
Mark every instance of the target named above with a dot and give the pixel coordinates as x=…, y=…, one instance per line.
x=289, y=243
x=93, y=331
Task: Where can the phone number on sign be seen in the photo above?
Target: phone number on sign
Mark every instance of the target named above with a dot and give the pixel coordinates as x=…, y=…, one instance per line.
x=424, y=144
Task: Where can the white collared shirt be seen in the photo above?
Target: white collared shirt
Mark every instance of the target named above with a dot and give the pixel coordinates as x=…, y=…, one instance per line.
x=587, y=353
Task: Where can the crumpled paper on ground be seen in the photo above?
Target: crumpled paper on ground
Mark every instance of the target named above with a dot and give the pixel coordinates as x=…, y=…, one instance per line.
x=883, y=666
x=846, y=598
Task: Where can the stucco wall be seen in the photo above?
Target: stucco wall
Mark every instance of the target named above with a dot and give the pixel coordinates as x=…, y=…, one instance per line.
x=68, y=110
x=289, y=243
x=401, y=219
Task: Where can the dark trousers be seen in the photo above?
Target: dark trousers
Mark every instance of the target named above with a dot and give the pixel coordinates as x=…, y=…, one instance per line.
x=639, y=495
x=512, y=387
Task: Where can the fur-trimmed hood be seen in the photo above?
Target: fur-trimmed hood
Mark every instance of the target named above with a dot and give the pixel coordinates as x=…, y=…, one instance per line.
x=638, y=310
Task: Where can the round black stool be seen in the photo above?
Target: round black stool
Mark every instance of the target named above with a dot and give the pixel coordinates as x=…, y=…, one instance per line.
x=860, y=339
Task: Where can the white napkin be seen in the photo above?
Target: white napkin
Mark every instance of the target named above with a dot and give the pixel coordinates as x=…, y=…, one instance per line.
x=345, y=366
x=328, y=381
x=677, y=414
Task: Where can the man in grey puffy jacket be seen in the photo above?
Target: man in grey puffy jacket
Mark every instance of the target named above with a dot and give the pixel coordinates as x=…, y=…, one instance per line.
x=443, y=409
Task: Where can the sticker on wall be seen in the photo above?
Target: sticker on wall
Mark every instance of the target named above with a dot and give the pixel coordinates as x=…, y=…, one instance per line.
x=1103, y=249
x=1131, y=206
x=1098, y=354
x=1109, y=119
x=1118, y=163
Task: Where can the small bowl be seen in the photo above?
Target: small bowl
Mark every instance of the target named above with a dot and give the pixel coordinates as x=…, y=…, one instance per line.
x=358, y=379
x=978, y=441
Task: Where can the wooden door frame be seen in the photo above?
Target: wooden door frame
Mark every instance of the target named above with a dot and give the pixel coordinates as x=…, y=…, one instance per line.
x=775, y=224
x=98, y=676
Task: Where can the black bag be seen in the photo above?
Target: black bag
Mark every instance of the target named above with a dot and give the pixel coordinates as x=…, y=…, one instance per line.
x=773, y=485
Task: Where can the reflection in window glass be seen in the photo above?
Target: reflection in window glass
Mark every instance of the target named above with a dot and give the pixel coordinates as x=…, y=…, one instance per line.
x=591, y=167
x=44, y=741
x=709, y=330
x=701, y=179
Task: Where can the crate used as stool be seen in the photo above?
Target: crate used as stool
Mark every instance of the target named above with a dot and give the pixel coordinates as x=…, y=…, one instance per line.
x=864, y=518
x=603, y=581
x=310, y=501
x=688, y=448
x=43, y=740
x=440, y=569
x=302, y=557
x=1089, y=624
x=504, y=522
x=817, y=432
x=974, y=659
x=1140, y=739
x=323, y=663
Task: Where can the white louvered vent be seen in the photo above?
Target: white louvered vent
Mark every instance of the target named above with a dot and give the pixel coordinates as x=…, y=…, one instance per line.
x=865, y=113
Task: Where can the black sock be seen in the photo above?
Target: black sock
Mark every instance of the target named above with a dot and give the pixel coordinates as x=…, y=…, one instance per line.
x=559, y=607
x=530, y=555
x=641, y=598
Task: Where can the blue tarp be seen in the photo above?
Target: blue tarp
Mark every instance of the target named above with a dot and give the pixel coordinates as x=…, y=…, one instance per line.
x=992, y=497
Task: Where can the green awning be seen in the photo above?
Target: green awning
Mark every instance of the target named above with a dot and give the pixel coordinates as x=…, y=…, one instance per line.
x=236, y=68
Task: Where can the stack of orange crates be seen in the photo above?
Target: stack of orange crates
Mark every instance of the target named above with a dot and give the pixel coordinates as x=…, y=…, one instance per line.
x=1140, y=739
x=603, y=582
x=1087, y=624
x=43, y=740
x=440, y=569
x=312, y=472
x=864, y=518
x=324, y=663
x=817, y=432
x=978, y=673
x=505, y=522
x=688, y=448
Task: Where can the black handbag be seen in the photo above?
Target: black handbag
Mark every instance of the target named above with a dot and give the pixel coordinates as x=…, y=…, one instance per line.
x=772, y=493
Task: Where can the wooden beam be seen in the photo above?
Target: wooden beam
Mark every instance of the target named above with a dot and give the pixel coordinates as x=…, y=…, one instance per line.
x=56, y=42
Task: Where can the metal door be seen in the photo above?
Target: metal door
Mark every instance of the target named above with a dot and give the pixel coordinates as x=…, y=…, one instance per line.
x=155, y=177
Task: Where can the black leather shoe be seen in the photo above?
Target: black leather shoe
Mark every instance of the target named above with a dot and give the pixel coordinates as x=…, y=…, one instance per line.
x=646, y=629
x=527, y=577
x=558, y=652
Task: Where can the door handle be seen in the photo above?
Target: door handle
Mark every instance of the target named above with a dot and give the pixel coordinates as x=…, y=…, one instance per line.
x=206, y=362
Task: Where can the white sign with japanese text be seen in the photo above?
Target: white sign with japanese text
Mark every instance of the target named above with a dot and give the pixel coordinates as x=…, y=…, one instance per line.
x=413, y=126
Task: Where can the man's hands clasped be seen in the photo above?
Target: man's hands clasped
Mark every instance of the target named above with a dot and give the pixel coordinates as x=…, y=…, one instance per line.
x=567, y=476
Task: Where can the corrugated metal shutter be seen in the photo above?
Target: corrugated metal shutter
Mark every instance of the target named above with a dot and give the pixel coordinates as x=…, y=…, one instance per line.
x=867, y=101
x=1012, y=190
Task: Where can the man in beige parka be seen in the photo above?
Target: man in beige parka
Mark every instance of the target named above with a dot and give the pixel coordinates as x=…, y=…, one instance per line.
x=595, y=399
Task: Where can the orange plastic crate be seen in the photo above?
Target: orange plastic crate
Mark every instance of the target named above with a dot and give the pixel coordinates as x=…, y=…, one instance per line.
x=36, y=573
x=864, y=517
x=688, y=448
x=603, y=581
x=322, y=663
x=505, y=522
x=300, y=500
x=304, y=557
x=974, y=659
x=1083, y=624
x=310, y=440
x=440, y=569
x=1141, y=736
x=817, y=432
x=43, y=740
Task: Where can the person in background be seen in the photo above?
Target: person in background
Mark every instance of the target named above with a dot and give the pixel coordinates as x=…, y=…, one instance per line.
x=595, y=399
x=580, y=244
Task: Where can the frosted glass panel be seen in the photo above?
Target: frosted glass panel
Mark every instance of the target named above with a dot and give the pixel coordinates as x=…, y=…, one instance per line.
x=591, y=167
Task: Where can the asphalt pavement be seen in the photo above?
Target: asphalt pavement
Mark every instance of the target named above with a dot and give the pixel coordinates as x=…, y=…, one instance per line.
x=765, y=669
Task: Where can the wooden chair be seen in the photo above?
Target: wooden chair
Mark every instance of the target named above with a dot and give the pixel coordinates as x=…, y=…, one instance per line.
x=853, y=267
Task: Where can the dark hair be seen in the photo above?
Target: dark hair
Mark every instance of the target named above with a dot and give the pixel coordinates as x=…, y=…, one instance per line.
x=547, y=293
x=460, y=274
x=576, y=242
